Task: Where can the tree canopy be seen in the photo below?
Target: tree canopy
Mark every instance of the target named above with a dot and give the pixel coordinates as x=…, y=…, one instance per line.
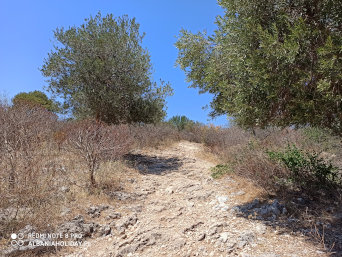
x=101, y=70
x=35, y=98
x=180, y=122
x=270, y=62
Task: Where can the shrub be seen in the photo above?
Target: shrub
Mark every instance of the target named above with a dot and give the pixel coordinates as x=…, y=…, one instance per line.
x=220, y=170
x=23, y=129
x=308, y=170
x=324, y=139
x=96, y=142
x=149, y=135
x=318, y=135
x=247, y=155
x=27, y=192
x=253, y=164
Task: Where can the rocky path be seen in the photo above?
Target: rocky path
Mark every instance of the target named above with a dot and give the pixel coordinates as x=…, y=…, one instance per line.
x=175, y=208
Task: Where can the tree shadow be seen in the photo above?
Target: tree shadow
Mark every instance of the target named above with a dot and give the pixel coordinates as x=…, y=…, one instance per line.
x=319, y=222
x=155, y=165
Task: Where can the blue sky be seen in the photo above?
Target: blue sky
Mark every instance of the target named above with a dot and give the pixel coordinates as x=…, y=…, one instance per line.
x=26, y=29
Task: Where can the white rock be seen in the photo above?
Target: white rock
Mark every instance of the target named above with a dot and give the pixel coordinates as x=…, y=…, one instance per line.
x=224, y=237
x=169, y=190
x=222, y=199
x=191, y=204
x=224, y=208
x=260, y=228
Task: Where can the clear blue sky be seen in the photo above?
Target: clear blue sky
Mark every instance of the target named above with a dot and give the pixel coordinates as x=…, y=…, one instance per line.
x=26, y=29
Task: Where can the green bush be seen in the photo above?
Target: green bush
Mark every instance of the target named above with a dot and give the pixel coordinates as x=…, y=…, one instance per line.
x=220, y=170
x=308, y=170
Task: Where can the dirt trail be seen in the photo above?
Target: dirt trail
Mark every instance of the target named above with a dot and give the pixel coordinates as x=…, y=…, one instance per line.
x=179, y=210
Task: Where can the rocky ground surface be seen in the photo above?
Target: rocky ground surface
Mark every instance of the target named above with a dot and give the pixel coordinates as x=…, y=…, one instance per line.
x=175, y=208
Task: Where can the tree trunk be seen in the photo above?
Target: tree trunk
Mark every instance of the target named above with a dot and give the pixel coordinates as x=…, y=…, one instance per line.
x=11, y=177
x=92, y=179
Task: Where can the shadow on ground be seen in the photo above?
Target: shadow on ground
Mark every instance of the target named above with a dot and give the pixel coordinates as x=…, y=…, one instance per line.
x=147, y=164
x=319, y=223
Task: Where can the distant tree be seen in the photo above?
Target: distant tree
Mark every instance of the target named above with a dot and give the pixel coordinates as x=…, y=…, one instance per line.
x=35, y=98
x=271, y=62
x=180, y=122
x=101, y=70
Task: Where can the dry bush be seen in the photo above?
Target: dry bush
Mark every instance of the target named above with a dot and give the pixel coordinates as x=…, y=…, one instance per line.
x=224, y=139
x=275, y=137
x=26, y=190
x=96, y=142
x=195, y=133
x=149, y=135
x=246, y=153
x=256, y=166
x=221, y=141
x=43, y=162
x=60, y=134
x=112, y=176
x=23, y=130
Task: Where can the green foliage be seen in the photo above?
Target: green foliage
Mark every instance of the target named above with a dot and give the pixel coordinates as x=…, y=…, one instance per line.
x=317, y=135
x=324, y=138
x=308, y=170
x=270, y=63
x=181, y=122
x=35, y=98
x=101, y=70
x=220, y=170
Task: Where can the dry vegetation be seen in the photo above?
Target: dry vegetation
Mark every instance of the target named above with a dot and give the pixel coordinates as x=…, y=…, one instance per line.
x=249, y=156
x=313, y=197
x=47, y=165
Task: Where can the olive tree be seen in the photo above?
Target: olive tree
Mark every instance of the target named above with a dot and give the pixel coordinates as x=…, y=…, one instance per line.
x=101, y=70
x=270, y=62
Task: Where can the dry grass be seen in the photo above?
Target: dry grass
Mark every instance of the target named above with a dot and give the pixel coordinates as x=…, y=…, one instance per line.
x=207, y=155
x=252, y=191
